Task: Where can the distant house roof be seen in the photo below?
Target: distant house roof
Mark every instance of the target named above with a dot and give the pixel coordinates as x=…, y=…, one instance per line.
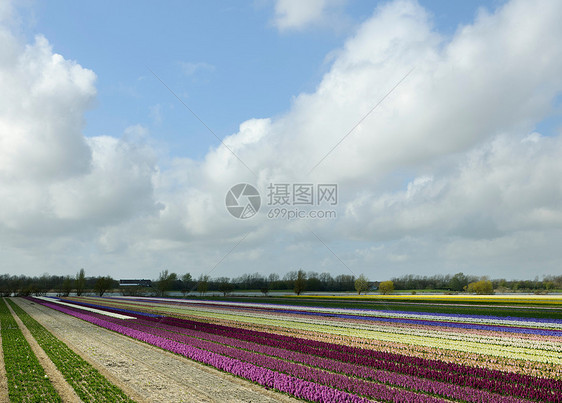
x=135, y=283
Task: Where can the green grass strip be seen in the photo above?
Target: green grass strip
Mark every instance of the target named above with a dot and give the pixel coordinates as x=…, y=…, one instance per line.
x=88, y=383
x=27, y=381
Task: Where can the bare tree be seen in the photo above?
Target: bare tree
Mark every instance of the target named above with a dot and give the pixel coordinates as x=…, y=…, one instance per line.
x=80, y=282
x=300, y=282
x=186, y=284
x=203, y=284
x=102, y=285
x=225, y=286
x=66, y=286
x=165, y=281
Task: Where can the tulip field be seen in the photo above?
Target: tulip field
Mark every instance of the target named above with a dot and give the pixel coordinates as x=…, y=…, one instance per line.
x=330, y=354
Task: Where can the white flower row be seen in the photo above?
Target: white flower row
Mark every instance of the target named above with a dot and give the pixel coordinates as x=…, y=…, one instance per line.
x=86, y=308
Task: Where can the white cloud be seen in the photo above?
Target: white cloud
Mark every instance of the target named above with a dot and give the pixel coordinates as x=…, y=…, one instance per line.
x=41, y=112
x=193, y=68
x=53, y=179
x=504, y=186
x=155, y=113
x=297, y=15
x=6, y=11
x=119, y=185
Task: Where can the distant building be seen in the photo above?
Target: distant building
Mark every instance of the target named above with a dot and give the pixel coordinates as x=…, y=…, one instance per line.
x=135, y=283
x=374, y=285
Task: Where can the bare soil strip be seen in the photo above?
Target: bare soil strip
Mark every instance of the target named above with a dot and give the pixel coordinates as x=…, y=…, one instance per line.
x=65, y=391
x=4, y=397
x=151, y=374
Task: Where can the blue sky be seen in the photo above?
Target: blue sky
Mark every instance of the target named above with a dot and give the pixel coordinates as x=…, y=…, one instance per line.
x=456, y=170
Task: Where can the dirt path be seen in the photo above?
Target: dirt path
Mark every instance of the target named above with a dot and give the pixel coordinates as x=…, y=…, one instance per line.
x=65, y=391
x=145, y=372
x=4, y=397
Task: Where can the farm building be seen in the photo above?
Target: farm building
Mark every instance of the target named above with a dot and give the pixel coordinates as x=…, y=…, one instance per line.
x=135, y=283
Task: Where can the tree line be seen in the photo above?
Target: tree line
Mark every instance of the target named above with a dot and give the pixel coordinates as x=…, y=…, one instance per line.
x=297, y=281
x=61, y=285
x=459, y=282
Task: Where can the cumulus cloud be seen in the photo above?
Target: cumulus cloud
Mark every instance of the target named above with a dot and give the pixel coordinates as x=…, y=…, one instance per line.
x=54, y=180
x=461, y=92
x=42, y=104
x=505, y=185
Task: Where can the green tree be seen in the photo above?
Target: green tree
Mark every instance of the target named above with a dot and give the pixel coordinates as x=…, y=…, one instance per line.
x=102, y=285
x=165, y=281
x=225, y=285
x=361, y=284
x=300, y=282
x=80, y=282
x=273, y=281
x=458, y=282
x=265, y=288
x=202, y=284
x=186, y=284
x=386, y=287
x=66, y=286
x=548, y=285
x=482, y=287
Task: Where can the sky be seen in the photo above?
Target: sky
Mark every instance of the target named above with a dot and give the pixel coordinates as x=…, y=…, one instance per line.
x=220, y=138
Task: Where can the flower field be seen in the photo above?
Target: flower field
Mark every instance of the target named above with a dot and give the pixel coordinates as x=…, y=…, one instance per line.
x=326, y=354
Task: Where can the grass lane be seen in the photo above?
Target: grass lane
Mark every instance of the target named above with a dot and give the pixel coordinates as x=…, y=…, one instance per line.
x=27, y=381
x=88, y=383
